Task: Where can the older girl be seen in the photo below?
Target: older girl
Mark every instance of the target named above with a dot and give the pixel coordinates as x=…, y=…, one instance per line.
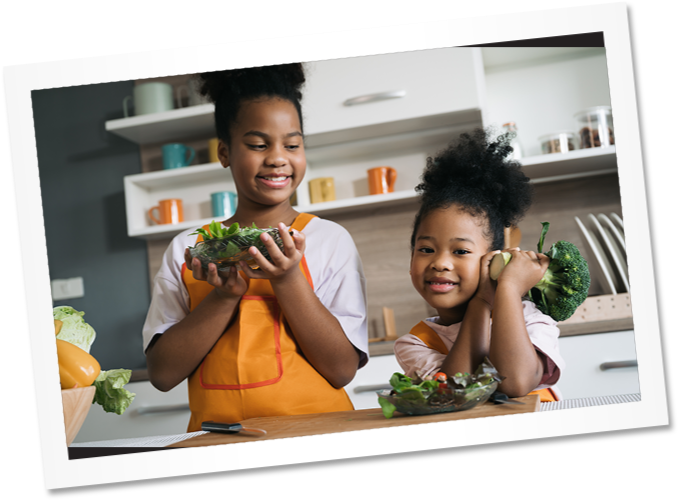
x=285, y=338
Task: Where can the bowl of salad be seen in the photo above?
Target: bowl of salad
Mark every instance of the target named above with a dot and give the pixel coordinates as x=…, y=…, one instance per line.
x=226, y=247
x=418, y=396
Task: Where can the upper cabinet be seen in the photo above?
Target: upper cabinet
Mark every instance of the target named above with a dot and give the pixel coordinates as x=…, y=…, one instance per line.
x=372, y=96
x=390, y=110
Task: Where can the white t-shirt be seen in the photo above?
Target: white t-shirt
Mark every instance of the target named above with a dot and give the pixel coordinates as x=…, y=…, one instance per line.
x=413, y=354
x=334, y=264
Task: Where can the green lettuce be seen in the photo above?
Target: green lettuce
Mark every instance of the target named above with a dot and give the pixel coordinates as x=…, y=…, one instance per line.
x=110, y=393
x=74, y=329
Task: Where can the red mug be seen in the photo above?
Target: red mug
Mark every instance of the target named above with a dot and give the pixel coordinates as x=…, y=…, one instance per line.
x=381, y=180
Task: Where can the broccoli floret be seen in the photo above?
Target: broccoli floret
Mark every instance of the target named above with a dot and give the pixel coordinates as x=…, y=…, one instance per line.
x=565, y=284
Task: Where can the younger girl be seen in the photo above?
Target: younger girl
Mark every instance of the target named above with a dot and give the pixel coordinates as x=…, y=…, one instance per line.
x=469, y=193
x=282, y=339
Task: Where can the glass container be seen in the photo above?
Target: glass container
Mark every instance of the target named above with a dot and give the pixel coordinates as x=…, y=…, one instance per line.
x=517, y=153
x=558, y=142
x=596, y=127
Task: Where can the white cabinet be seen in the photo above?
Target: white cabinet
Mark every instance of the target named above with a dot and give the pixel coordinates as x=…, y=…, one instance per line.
x=154, y=413
x=445, y=94
x=599, y=365
x=151, y=413
x=372, y=377
x=357, y=92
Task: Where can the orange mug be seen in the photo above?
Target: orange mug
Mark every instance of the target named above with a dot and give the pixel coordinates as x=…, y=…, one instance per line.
x=381, y=180
x=169, y=212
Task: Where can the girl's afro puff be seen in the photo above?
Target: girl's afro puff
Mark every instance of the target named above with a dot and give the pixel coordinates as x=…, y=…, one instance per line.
x=475, y=173
x=227, y=89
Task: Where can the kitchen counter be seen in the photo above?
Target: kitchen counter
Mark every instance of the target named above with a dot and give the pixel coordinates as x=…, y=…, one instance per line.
x=334, y=422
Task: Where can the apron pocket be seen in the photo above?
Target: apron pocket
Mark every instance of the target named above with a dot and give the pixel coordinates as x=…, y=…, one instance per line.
x=248, y=354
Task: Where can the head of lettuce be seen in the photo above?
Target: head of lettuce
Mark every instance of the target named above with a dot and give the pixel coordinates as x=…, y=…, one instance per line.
x=74, y=329
x=110, y=392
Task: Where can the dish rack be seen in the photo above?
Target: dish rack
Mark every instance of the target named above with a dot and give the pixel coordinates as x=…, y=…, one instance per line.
x=604, y=245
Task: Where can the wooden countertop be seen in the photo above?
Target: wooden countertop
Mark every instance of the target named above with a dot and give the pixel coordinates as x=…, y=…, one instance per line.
x=336, y=422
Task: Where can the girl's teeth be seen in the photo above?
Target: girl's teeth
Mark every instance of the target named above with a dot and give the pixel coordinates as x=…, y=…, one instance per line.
x=276, y=178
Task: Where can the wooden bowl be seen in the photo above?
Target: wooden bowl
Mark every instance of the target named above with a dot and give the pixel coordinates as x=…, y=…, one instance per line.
x=77, y=403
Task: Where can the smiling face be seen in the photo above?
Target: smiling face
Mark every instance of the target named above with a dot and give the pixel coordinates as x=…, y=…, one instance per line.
x=266, y=154
x=444, y=266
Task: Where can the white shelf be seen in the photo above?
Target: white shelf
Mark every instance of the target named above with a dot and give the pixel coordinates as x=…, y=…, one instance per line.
x=179, y=124
x=576, y=163
x=144, y=190
x=359, y=203
x=198, y=121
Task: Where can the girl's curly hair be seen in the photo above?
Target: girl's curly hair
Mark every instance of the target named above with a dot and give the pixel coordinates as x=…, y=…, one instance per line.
x=475, y=173
x=228, y=89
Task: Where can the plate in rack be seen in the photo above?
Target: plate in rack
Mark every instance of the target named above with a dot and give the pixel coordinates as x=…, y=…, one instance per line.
x=598, y=265
x=612, y=253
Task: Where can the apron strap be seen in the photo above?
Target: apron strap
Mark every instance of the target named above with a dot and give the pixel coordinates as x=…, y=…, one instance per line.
x=301, y=221
x=429, y=337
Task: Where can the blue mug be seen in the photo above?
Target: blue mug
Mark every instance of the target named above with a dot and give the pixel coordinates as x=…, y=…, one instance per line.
x=175, y=155
x=224, y=204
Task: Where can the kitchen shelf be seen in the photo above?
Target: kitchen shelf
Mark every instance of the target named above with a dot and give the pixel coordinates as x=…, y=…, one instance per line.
x=576, y=163
x=198, y=121
x=144, y=190
x=174, y=125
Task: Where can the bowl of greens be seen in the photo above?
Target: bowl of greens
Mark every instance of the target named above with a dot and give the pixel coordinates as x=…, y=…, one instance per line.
x=418, y=396
x=226, y=247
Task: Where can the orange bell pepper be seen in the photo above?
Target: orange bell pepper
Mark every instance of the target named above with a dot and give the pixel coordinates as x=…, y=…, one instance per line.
x=77, y=368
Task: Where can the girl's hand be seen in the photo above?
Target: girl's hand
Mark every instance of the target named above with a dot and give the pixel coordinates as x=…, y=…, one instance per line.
x=525, y=269
x=486, y=290
x=227, y=284
x=285, y=263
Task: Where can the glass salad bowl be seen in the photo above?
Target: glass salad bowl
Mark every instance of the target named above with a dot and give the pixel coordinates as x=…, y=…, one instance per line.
x=227, y=247
x=419, y=396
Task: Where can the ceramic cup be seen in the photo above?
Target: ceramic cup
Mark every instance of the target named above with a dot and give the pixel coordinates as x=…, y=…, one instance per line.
x=224, y=203
x=170, y=211
x=212, y=146
x=322, y=189
x=381, y=180
x=152, y=97
x=177, y=155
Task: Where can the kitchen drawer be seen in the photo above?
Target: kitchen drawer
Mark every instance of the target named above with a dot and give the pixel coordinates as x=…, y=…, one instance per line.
x=151, y=413
x=371, y=378
x=345, y=93
x=584, y=375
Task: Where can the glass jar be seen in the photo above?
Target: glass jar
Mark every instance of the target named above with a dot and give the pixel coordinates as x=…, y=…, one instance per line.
x=596, y=127
x=558, y=142
x=517, y=153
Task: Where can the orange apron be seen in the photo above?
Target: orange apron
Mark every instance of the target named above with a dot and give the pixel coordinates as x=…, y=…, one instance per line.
x=434, y=341
x=256, y=368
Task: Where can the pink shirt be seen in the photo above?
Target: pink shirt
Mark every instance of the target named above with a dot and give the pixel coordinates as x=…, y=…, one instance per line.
x=413, y=354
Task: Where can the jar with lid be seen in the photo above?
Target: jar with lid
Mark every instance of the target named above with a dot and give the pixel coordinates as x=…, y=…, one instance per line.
x=517, y=153
x=558, y=142
x=596, y=127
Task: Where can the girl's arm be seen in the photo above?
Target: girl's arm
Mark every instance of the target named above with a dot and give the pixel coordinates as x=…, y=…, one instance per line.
x=317, y=331
x=473, y=340
x=174, y=355
x=511, y=350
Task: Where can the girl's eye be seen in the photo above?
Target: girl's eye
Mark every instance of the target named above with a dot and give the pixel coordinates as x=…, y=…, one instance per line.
x=257, y=146
x=425, y=250
x=461, y=251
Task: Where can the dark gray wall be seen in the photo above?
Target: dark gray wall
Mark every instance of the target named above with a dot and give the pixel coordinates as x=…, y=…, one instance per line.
x=81, y=179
